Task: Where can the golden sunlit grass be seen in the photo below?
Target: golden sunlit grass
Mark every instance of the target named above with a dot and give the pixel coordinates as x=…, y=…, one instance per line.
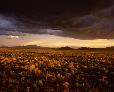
x=49, y=70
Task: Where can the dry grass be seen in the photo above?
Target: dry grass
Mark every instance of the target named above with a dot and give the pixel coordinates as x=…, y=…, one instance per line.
x=47, y=70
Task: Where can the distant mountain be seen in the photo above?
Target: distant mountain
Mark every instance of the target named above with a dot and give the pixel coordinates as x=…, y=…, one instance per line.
x=27, y=46
x=66, y=48
x=87, y=48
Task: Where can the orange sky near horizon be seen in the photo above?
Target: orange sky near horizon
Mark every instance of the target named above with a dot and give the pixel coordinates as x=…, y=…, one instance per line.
x=46, y=40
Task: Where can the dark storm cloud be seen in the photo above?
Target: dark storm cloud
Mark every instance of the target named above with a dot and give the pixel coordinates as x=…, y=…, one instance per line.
x=14, y=26
x=7, y=23
x=92, y=26
x=44, y=8
x=81, y=19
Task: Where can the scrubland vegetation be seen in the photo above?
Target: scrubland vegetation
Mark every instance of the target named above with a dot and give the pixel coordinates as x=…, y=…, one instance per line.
x=47, y=70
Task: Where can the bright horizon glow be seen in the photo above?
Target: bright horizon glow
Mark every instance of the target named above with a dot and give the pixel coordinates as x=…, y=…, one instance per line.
x=13, y=36
x=46, y=40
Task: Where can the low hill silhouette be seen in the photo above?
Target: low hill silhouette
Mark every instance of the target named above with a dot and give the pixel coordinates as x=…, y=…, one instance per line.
x=66, y=48
x=27, y=46
x=87, y=48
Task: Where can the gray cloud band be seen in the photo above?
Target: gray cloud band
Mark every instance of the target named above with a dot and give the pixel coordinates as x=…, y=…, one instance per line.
x=99, y=25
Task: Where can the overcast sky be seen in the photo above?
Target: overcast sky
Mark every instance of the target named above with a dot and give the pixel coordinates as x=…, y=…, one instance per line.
x=55, y=23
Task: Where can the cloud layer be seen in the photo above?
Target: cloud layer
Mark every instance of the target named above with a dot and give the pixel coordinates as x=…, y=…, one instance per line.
x=97, y=25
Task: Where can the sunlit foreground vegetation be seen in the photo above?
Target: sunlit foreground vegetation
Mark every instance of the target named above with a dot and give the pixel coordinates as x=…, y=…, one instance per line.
x=46, y=70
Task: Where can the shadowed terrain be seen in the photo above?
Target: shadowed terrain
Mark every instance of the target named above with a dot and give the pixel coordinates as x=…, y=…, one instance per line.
x=45, y=70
